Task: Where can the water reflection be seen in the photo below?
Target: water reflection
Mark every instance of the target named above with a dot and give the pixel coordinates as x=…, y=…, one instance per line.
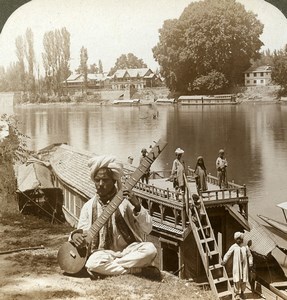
x=253, y=136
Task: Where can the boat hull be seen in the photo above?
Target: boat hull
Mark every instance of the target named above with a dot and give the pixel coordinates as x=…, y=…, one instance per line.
x=278, y=226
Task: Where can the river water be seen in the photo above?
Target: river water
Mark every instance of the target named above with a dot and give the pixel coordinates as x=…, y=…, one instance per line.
x=254, y=136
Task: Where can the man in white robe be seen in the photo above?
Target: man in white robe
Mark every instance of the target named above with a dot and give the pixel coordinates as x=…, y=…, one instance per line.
x=119, y=247
x=241, y=259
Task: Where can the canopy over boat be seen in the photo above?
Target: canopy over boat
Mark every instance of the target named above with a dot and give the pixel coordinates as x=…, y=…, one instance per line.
x=282, y=205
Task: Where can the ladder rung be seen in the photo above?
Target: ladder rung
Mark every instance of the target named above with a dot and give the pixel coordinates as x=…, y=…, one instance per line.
x=213, y=252
x=203, y=227
x=207, y=240
x=214, y=267
x=219, y=280
x=224, y=294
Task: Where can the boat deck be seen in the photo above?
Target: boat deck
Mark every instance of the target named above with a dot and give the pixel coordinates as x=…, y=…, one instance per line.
x=214, y=192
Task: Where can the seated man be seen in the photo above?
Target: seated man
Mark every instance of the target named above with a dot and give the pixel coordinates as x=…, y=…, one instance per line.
x=119, y=247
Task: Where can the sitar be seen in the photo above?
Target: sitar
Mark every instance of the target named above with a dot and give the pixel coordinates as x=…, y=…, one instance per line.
x=72, y=259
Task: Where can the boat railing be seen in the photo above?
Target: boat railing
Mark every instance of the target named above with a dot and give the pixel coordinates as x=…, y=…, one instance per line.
x=229, y=194
x=231, y=186
x=157, y=191
x=165, y=206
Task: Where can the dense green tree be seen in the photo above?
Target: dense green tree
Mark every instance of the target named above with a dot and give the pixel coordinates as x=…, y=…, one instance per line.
x=64, y=55
x=13, y=148
x=83, y=68
x=101, y=70
x=280, y=69
x=210, y=35
x=93, y=69
x=56, y=59
x=127, y=61
x=30, y=57
x=3, y=82
x=20, y=53
x=212, y=82
x=266, y=58
x=13, y=80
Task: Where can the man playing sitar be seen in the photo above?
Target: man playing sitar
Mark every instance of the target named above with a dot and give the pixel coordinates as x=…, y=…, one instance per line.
x=118, y=247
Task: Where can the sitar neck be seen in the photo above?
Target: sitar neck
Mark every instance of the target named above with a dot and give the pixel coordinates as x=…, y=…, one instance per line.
x=130, y=182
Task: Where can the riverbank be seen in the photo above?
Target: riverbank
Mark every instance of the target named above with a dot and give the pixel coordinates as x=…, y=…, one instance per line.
x=251, y=94
x=35, y=274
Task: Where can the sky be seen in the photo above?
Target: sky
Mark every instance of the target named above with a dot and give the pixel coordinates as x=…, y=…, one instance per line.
x=109, y=28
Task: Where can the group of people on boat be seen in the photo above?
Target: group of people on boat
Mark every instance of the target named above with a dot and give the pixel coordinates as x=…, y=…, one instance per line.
x=200, y=172
x=178, y=171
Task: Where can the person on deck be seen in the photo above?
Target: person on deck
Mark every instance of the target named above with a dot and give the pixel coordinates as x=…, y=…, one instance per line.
x=145, y=177
x=119, y=247
x=200, y=175
x=178, y=171
x=221, y=165
x=196, y=205
x=242, y=259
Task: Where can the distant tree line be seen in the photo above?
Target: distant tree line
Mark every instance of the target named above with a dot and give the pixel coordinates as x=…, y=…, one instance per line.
x=24, y=74
x=204, y=51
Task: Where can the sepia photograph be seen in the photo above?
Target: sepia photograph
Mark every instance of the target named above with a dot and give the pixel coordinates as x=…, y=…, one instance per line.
x=143, y=149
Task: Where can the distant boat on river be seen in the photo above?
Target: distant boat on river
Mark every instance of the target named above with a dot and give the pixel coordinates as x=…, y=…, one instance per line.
x=165, y=101
x=208, y=99
x=128, y=102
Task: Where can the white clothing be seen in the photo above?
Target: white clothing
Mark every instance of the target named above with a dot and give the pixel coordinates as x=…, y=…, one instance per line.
x=178, y=171
x=108, y=262
x=121, y=256
x=221, y=163
x=241, y=256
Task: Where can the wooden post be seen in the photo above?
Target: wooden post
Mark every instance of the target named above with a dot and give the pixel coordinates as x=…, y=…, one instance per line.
x=183, y=218
x=180, y=261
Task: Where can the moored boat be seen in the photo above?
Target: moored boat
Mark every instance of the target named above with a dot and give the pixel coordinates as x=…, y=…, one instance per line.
x=282, y=227
x=127, y=102
x=279, y=226
x=165, y=101
x=208, y=99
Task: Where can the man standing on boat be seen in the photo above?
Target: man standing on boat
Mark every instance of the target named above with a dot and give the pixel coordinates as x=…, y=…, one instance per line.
x=119, y=247
x=178, y=171
x=145, y=177
x=221, y=165
x=242, y=259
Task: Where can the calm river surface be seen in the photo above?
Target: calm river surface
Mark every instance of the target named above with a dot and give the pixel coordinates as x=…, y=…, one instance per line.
x=254, y=137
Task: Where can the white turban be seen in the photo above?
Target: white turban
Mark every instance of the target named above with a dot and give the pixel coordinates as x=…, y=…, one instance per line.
x=105, y=161
x=179, y=151
x=238, y=234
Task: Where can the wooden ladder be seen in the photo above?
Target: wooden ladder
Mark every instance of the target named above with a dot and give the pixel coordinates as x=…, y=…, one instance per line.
x=209, y=252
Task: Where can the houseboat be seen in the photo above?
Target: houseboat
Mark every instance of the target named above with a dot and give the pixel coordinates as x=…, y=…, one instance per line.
x=185, y=248
x=208, y=99
x=128, y=102
x=165, y=101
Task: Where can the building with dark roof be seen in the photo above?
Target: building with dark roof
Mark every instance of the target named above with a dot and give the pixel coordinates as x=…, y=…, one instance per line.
x=94, y=81
x=137, y=78
x=258, y=76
